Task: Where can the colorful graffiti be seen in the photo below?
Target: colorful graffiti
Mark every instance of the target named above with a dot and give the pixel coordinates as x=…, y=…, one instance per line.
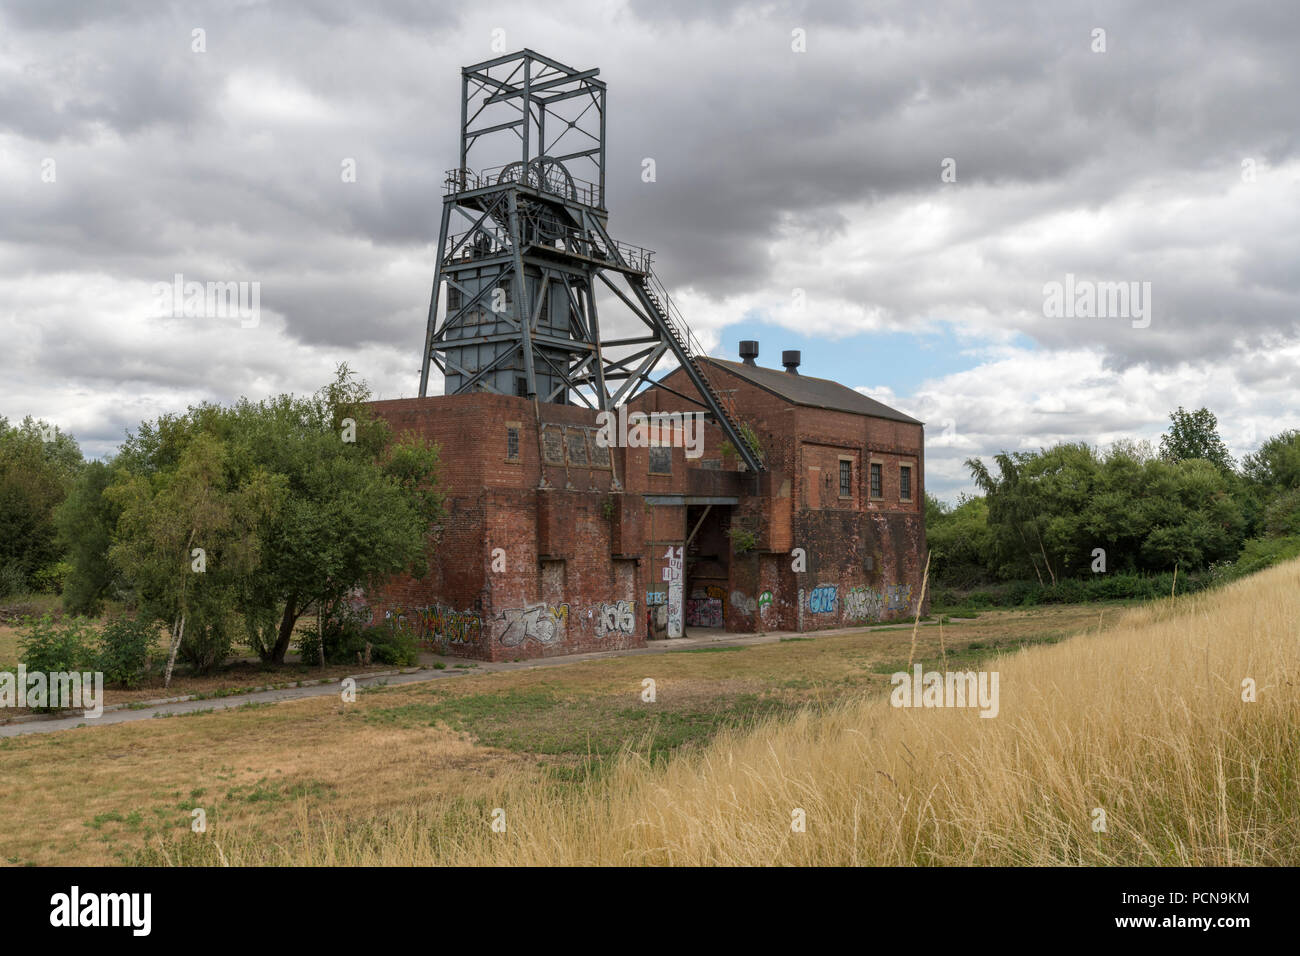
x=540, y=622
x=824, y=599
x=862, y=604
x=656, y=598
x=899, y=596
x=718, y=594
x=440, y=625
x=704, y=612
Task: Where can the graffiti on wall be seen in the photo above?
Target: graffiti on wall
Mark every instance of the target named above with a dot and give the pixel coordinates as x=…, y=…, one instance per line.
x=704, y=612
x=617, y=618
x=743, y=603
x=823, y=599
x=899, y=597
x=865, y=604
x=862, y=604
x=656, y=598
x=440, y=625
x=674, y=575
x=539, y=622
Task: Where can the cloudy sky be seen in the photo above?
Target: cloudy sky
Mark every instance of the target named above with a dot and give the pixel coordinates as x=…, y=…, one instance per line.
x=919, y=172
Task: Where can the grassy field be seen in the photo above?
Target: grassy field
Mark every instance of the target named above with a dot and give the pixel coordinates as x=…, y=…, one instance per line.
x=271, y=776
x=1145, y=720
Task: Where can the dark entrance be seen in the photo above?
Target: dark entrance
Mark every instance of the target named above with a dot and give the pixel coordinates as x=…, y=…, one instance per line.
x=708, y=565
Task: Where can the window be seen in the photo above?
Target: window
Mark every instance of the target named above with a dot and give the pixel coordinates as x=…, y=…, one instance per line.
x=521, y=386
x=905, y=482
x=512, y=444
x=453, y=298
x=876, y=490
x=661, y=460
x=846, y=479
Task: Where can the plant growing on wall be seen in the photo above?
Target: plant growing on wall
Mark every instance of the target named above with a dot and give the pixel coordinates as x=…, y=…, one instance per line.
x=743, y=539
x=750, y=438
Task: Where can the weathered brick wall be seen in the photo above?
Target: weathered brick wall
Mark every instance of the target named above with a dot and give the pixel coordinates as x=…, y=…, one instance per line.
x=865, y=555
x=534, y=559
x=583, y=553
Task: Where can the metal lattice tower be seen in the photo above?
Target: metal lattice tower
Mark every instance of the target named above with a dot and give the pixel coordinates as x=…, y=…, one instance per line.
x=521, y=271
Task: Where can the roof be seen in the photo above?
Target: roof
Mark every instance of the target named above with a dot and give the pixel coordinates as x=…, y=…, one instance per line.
x=813, y=392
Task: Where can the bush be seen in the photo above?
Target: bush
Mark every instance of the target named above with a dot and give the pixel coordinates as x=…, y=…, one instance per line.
x=1261, y=553
x=309, y=646
x=51, y=647
x=206, y=643
x=392, y=642
x=124, y=646
x=12, y=580
x=49, y=579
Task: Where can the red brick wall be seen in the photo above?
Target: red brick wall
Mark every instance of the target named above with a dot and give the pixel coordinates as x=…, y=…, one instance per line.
x=578, y=539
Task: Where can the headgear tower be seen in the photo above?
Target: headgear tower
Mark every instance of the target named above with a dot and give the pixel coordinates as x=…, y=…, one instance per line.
x=530, y=252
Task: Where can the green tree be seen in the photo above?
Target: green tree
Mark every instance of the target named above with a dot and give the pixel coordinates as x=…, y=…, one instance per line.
x=351, y=504
x=186, y=539
x=38, y=464
x=1195, y=435
x=359, y=506
x=1276, y=466
x=85, y=522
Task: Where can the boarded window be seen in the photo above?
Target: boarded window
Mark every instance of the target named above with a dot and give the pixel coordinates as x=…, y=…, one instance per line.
x=552, y=445
x=599, y=451
x=576, y=441
x=661, y=461
x=905, y=483
x=876, y=488
x=846, y=479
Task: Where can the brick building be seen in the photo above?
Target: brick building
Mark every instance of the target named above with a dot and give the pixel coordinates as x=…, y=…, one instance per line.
x=555, y=543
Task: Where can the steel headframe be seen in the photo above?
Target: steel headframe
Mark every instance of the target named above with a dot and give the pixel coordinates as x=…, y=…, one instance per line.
x=534, y=245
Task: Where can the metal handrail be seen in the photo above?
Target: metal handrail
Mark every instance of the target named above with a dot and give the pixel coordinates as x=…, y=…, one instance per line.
x=463, y=180
x=694, y=349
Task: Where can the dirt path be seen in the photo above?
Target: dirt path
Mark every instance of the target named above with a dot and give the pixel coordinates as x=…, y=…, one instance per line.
x=695, y=637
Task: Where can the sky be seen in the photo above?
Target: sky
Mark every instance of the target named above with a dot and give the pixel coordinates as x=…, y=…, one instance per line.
x=892, y=188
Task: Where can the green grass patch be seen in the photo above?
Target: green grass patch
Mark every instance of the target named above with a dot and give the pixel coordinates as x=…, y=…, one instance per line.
x=543, y=722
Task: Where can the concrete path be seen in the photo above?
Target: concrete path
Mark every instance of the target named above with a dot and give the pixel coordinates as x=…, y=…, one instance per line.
x=695, y=637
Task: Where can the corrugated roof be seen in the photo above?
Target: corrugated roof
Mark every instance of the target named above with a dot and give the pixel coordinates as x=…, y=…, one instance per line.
x=813, y=392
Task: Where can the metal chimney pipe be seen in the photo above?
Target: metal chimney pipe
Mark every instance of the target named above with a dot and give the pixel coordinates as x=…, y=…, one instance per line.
x=748, y=351
x=790, y=359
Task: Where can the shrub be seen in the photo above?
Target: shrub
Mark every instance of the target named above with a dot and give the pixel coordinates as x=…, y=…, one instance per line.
x=1261, y=553
x=50, y=647
x=124, y=646
x=392, y=642
x=309, y=645
x=49, y=579
x=206, y=643
x=12, y=580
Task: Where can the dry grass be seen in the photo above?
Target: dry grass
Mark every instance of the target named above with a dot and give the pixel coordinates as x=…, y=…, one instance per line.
x=102, y=793
x=1144, y=720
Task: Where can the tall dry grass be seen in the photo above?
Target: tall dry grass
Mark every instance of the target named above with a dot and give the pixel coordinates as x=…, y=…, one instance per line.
x=1144, y=720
